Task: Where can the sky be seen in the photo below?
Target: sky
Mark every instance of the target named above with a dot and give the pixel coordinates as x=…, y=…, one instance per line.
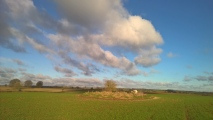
x=160, y=44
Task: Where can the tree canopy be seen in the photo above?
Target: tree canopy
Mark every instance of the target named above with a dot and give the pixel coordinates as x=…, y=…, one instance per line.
x=14, y=82
x=28, y=83
x=110, y=85
x=39, y=84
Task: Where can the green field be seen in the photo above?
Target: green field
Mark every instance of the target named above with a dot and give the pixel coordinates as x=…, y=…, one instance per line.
x=70, y=106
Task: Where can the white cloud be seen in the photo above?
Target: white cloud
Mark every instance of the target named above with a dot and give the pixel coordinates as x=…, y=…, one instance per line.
x=86, y=27
x=187, y=78
x=128, y=83
x=189, y=67
x=210, y=78
x=24, y=38
x=21, y=20
x=65, y=71
x=200, y=78
x=171, y=55
x=7, y=74
x=25, y=12
x=114, y=26
x=9, y=61
x=19, y=62
x=94, y=52
x=148, y=57
x=133, y=31
x=93, y=14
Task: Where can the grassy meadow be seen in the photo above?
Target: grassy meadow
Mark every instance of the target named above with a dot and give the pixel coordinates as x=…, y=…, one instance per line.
x=73, y=106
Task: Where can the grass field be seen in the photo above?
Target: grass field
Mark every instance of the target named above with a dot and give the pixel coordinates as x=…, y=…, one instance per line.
x=70, y=106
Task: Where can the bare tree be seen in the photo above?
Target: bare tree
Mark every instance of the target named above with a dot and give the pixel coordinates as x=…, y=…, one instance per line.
x=110, y=85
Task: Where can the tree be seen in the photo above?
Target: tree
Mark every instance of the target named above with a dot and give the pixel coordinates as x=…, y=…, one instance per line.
x=63, y=88
x=28, y=83
x=16, y=83
x=39, y=84
x=13, y=82
x=110, y=85
x=18, y=86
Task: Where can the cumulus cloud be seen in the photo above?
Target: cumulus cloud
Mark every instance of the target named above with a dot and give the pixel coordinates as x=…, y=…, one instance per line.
x=24, y=38
x=148, y=57
x=147, y=61
x=76, y=82
x=189, y=67
x=7, y=72
x=82, y=34
x=114, y=26
x=5, y=33
x=187, y=78
x=91, y=15
x=26, y=17
x=133, y=32
x=19, y=62
x=171, y=55
x=22, y=69
x=128, y=83
x=208, y=73
x=87, y=69
x=199, y=78
x=94, y=52
x=210, y=78
x=95, y=82
x=25, y=13
x=65, y=71
x=35, y=77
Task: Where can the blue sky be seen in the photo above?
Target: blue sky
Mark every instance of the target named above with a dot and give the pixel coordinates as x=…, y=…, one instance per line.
x=139, y=44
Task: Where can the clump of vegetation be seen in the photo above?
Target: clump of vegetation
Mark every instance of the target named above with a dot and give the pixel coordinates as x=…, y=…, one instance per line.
x=110, y=92
x=117, y=95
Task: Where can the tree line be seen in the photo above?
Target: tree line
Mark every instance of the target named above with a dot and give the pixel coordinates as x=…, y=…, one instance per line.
x=109, y=85
x=28, y=83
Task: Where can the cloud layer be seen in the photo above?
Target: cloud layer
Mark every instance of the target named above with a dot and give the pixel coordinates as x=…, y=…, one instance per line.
x=7, y=74
x=83, y=31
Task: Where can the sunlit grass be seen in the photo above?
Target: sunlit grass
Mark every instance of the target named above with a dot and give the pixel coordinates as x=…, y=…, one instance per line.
x=71, y=106
x=25, y=89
